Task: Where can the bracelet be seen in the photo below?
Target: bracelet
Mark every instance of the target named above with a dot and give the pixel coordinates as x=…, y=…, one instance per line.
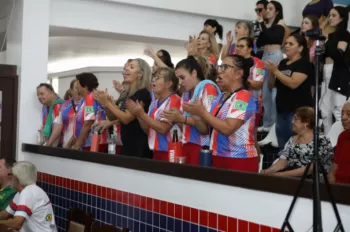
x=185, y=120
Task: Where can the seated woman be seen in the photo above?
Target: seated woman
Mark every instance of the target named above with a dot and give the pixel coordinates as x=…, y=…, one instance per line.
x=232, y=117
x=158, y=128
x=299, y=150
x=340, y=171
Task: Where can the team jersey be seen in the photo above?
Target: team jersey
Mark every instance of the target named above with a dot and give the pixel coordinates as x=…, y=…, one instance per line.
x=213, y=59
x=66, y=118
x=55, y=114
x=89, y=109
x=257, y=73
x=241, y=143
x=190, y=133
x=34, y=205
x=156, y=140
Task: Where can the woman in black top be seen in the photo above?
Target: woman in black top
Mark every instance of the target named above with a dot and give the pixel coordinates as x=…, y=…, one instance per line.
x=138, y=77
x=293, y=80
x=271, y=39
x=336, y=75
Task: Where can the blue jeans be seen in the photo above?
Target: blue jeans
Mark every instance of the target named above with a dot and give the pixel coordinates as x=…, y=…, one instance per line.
x=284, y=128
x=269, y=95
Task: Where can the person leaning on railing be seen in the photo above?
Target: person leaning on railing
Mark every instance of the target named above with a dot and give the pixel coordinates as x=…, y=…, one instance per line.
x=138, y=78
x=231, y=119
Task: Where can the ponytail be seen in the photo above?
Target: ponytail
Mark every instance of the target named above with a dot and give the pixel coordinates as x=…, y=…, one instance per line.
x=219, y=31
x=190, y=64
x=247, y=64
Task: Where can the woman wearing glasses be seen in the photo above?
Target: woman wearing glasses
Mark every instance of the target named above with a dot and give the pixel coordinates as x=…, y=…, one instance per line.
x=231, y=119
x=164, y=85
x=299, y=150
x=196, y=88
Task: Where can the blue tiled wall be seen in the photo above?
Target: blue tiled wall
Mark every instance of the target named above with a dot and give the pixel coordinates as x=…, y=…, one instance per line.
x=112, y=212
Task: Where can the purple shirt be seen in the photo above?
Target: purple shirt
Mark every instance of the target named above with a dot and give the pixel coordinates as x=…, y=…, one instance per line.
x=321, y=8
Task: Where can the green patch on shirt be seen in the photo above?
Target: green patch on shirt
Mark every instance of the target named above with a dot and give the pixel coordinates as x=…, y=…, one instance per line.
x=6, y=196
x=211, y=98
x=240, y=105
x=89, y=109
x=260, y=71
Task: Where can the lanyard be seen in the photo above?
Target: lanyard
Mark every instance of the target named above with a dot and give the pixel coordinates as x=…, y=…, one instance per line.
x=224, y=101
x=222, y=104
x=159, y=104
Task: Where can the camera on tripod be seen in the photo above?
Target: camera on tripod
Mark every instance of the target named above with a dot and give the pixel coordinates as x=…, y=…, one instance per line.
x=315, y=34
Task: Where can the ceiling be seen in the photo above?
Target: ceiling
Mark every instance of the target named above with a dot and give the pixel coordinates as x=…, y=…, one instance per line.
x=74, y=48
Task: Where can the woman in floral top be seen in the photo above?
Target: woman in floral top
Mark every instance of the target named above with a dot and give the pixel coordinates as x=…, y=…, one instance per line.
x=299, y=150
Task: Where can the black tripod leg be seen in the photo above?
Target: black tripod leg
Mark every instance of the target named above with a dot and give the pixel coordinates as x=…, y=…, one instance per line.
x=290, y=210
x=335, y=208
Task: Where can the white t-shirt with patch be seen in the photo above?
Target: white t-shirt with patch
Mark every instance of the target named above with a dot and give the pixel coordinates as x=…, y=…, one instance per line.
x=34, y=205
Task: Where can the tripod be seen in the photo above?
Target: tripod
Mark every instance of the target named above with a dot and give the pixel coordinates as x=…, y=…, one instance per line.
x=317, y=167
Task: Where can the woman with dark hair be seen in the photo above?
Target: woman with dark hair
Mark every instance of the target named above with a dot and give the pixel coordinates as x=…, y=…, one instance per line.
x=299, y=150
x=231, y=117
x=138, y=78
x=191, y=78
x=310, y=22
x=293, y=79
x=87, y=112
x=212, y=26
x=158, y=128
x=64, y=123
x=336, y=74
x=255, y=80
x=272, y=40
x=162, y=59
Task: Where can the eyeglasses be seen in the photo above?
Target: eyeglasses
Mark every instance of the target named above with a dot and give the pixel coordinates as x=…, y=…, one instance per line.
x=258, y=10
x=223, y=67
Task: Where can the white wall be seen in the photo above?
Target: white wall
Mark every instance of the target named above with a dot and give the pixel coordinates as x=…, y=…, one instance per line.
x=260, y=207
x=105, y=77
x=129, y=19
x=28, y=50
x=232, y=9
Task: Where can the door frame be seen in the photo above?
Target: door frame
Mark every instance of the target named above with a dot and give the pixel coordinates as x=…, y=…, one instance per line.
x=9, y=88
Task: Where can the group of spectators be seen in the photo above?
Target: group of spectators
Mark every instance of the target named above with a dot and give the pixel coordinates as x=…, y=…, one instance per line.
x=218, y=105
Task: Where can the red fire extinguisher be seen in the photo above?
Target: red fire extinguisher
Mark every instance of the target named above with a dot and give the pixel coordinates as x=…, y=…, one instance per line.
x=174, y=148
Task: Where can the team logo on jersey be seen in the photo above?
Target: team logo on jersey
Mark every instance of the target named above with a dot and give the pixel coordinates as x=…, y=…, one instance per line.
x=240, y=105
x=48, y=218
x=260, y=71
x=89, y=109
x=211, y=98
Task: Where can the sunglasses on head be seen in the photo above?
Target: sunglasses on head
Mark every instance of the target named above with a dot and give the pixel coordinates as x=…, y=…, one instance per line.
x=258, y=10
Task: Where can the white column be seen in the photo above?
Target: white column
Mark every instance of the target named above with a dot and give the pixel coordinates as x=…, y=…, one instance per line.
x=27, y=47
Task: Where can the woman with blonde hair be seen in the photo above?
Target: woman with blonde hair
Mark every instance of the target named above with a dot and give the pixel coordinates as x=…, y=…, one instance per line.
x=205, y=46
x=138, y=77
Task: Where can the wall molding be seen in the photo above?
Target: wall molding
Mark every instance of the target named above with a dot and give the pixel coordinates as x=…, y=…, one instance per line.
x=93, y=69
